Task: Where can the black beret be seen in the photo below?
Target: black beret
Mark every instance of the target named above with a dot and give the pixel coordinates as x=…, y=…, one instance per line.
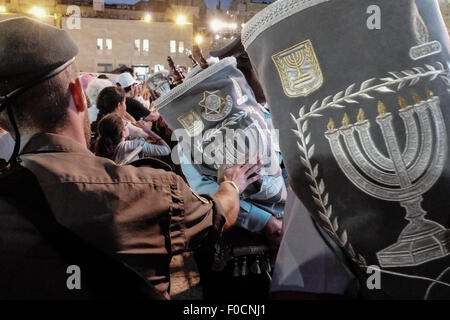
x=30, y=51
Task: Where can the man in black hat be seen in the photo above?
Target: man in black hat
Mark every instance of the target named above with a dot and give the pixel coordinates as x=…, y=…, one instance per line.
x=140, y=216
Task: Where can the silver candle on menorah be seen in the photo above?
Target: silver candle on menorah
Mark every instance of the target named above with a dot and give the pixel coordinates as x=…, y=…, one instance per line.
x=403, y=176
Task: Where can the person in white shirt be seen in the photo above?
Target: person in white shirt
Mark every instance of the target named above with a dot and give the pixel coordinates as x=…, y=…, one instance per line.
x=112, y=100
x=92, y=92
x=112, y=141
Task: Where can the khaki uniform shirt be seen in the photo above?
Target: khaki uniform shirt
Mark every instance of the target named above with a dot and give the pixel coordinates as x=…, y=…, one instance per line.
x=142, y=214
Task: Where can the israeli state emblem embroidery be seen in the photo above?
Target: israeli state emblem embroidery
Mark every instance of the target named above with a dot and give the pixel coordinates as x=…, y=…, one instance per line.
x=215, y=107
x=192, y=122
x=299, y=70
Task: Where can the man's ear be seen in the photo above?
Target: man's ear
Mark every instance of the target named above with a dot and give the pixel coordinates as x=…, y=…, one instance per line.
x=76, y=89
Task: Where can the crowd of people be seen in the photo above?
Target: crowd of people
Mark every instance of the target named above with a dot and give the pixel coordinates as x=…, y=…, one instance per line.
x=142, y=211
x=125, y=127
x=91, y=127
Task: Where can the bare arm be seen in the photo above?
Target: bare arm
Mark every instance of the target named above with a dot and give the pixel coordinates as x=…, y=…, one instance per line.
x=229, y=199
x=204, y=217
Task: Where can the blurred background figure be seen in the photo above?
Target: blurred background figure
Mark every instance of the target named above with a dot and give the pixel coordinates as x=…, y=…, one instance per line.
x=92, y=91
x=135, y=108
x=6, y=145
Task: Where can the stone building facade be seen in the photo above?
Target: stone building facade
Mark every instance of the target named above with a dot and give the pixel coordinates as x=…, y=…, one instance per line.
x=119, y=35
x=106, y=44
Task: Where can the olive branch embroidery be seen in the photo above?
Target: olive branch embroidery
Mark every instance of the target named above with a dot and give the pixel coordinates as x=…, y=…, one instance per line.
x=211, y=133
x=397, y=79
x=320, y=196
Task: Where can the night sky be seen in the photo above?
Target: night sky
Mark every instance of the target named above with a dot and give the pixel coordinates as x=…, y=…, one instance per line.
x=209, y=3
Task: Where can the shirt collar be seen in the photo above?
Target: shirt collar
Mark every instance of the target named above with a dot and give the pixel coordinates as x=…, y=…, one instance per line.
x=50, y=142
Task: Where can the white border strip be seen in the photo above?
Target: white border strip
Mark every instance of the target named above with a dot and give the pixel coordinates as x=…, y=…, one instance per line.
x=191, y=82
x=273, y=14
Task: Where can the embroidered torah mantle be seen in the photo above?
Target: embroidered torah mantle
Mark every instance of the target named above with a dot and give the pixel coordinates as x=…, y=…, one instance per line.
x=217, y=120
x=359, y=90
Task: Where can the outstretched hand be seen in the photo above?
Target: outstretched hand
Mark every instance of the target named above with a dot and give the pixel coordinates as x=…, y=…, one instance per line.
x=241, y=175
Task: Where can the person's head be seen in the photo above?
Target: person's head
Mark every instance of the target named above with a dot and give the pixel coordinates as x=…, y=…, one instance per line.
x=111, y=100
x=112, y=131
x=44, y=107
x=39, y=81
x=128, y=83
x=139, y=89
x=94, y=88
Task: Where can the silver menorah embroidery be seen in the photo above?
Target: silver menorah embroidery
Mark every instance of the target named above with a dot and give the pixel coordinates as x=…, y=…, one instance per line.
x=402, y=176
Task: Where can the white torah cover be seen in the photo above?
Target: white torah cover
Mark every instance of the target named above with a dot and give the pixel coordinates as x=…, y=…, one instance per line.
x=216, y=119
